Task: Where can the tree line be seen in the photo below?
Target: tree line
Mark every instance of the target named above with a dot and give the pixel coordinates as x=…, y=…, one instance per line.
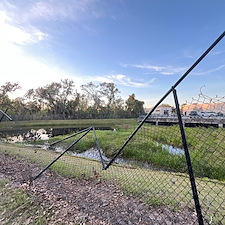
x=61, y=100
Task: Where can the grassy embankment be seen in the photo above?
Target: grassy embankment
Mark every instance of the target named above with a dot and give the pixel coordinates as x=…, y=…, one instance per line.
x=66, y=123
x=153, y=187
x=206, y=148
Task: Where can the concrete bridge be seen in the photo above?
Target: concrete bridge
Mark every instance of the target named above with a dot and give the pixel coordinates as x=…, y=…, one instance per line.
x=218, y=122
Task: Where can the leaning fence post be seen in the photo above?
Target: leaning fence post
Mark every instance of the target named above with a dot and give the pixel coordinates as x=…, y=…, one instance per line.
x=188, y=161
x=99, y=149
x=167, y=93
x=5, y=114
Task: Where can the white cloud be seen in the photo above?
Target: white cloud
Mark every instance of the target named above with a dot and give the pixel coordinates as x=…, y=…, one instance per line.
x=213, y=53
x=75, y=10
x=14, y=32
x=29, y=72
x=209, y=71
x=164, y=70
x=16, y=66
x=28, y=11
x=102, y=79
x=19, y=35
x=20, y=22
x=120, y=79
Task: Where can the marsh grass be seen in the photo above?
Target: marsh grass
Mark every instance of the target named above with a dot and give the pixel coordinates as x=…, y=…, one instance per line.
x=206, y=147
x=207, y=154
x=110, y=141
x=156, y=188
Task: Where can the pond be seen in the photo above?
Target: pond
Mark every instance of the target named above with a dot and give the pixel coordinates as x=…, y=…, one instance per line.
x=21, y=135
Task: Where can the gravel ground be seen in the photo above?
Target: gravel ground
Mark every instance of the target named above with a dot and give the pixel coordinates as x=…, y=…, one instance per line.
x=83, y=201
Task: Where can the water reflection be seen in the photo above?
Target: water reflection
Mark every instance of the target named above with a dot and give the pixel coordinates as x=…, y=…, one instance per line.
x=173, y=150
x=93, y=153
x=21, y=135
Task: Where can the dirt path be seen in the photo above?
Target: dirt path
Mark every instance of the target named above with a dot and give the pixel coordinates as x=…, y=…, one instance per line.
x=82, y=201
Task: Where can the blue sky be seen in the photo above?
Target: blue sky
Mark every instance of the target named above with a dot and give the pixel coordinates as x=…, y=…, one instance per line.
x=143, y=46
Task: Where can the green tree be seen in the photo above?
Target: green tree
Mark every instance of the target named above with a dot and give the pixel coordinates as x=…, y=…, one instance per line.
x=92, y=93
x=109, y=91
x=54, y=96
x=5, y=89
x=6, y=104
x=134, y=106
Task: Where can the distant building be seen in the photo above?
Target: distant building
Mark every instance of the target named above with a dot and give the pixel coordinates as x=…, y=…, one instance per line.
x=162, y=111
x=204, y=107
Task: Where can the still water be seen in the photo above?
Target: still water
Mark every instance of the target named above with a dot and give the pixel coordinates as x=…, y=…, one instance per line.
x=35, y=134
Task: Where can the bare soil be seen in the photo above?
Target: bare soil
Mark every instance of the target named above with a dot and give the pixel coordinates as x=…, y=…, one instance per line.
x=85, y=201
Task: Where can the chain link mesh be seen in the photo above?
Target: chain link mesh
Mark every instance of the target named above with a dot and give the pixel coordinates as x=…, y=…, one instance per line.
x=152, y=166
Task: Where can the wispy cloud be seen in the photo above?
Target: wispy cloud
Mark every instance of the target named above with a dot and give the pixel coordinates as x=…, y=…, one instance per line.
x=14, y=31
x=122, y=79
x=164, y=70
x=187, y=55
x=16, y=66
x=213, y=53
x=56, y=10
x=209, y=71
x=51, y=9
x=20, y=35
x=26, y=19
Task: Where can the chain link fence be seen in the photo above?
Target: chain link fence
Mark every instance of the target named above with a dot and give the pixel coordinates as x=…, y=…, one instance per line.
x=162, y=172
x=173, y=161
x=153, y=166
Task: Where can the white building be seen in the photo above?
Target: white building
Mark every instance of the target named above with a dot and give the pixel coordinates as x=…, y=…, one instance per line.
x=162, y=111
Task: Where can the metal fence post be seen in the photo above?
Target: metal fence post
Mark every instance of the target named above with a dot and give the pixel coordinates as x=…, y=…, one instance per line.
x=99, y=149
x=5, y=114
x=188, y=161
x=163, y=98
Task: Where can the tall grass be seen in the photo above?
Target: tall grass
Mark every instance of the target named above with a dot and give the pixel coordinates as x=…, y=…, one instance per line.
x=206, y=147
x=147, y=146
